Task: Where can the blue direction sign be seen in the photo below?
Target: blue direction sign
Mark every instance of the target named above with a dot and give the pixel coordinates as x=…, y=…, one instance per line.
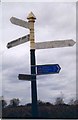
x=48, y=69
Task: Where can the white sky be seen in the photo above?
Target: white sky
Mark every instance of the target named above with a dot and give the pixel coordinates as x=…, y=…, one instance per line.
x=55, y=21
x=38, y=1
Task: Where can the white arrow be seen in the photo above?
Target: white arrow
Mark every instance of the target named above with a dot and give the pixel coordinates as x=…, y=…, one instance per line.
x=19, y=22
x=54, y=44
x=18, y=41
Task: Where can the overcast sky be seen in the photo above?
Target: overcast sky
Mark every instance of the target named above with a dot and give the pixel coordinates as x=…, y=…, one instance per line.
x=55, y=21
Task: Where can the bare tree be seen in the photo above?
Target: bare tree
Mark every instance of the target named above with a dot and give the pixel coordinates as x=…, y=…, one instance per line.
x=76, y=102
x=14, y=102
x=71, y=102
x=59, y=101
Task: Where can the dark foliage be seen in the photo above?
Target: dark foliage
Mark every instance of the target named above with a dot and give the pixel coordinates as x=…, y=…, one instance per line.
x=3, y=103
x=46, y=110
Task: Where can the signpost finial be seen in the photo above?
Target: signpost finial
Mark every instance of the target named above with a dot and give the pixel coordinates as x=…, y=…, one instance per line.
x=31, y=16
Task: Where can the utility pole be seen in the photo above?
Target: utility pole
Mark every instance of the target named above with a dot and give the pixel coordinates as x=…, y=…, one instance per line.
x=31, y=19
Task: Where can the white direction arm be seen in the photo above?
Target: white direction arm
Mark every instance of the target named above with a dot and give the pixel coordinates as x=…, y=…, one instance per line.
x=54, y=44
x=19, y=22
x=18, y=41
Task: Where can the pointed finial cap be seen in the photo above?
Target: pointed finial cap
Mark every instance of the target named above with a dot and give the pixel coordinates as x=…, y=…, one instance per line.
x=31, y=16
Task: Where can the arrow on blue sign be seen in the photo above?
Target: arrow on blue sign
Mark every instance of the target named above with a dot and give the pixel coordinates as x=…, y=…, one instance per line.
x=47, y=69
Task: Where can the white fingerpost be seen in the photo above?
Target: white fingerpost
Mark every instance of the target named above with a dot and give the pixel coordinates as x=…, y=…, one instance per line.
x=31, y=19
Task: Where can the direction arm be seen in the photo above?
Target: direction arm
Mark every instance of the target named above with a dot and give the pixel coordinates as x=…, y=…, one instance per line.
x=19, y=22
x=54, y=44
x=18, y=41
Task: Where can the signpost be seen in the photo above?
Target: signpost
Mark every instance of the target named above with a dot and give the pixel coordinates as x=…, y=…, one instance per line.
x=31, y=19
x=40, y=69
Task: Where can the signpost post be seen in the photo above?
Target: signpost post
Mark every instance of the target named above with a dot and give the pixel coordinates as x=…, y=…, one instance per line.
x=41, y=69
x=31, y=21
